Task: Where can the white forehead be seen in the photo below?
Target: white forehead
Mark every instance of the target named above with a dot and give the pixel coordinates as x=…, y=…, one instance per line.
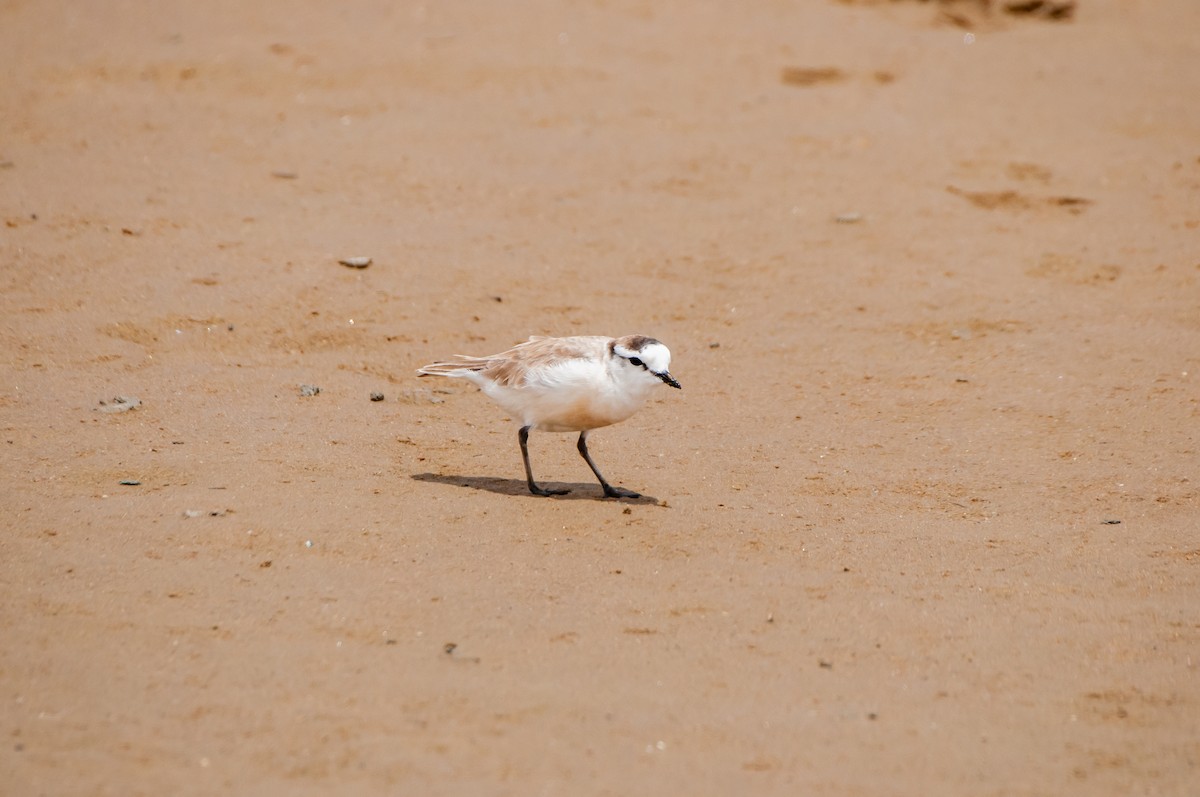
x=655, y=355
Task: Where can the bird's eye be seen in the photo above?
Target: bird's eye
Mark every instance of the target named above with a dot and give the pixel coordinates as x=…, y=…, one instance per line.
x=635, y=361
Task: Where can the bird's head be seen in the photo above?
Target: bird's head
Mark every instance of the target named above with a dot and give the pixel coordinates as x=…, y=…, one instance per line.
x=645, y=354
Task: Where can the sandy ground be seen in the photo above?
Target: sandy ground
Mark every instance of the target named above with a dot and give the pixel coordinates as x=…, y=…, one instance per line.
x=923, y=518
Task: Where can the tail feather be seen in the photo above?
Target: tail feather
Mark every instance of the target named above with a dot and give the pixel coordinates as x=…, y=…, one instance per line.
x=462, y=366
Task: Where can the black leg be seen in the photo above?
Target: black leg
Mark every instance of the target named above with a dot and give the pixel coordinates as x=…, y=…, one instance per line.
x=523, y=436
x=609, y=490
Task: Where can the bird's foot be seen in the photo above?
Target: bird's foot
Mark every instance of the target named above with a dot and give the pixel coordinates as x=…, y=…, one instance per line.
x=619, y=492
x=533, y=488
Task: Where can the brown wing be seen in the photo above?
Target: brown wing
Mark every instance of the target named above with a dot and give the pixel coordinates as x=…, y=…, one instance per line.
x=512, y=368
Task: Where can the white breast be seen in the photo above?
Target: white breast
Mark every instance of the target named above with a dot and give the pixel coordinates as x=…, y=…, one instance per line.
x=571, y=396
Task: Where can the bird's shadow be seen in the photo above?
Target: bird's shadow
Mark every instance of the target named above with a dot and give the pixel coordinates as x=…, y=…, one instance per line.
x=579, y=491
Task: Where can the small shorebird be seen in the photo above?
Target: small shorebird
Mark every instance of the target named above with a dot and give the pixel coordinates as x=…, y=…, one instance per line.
x=567, y=385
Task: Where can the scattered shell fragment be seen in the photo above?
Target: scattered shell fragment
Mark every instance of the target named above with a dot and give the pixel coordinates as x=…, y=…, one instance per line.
x=449, y=649
x=356, y=262
x=418, y=396
x=309, y=390
x=119, y=404
x=284, y=175
x=130, y=482
x=848, y=218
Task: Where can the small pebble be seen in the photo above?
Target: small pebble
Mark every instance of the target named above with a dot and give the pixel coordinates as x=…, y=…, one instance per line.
x=135, y=483
x=193, y=513
x=418, y=396
x=848, y=218
x=119, y=404
x=284, y=175
x=309, y=390
x=308, y=543
x=356, y=262
x=376, y=397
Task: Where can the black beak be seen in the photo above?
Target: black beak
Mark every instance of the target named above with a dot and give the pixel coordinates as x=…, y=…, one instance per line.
x=670, y=380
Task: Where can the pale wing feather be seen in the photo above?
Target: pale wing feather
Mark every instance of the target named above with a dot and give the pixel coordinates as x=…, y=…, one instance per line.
x=535, y=362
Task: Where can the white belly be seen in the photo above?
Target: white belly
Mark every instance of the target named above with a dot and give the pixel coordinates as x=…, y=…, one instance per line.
x=569, y=405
